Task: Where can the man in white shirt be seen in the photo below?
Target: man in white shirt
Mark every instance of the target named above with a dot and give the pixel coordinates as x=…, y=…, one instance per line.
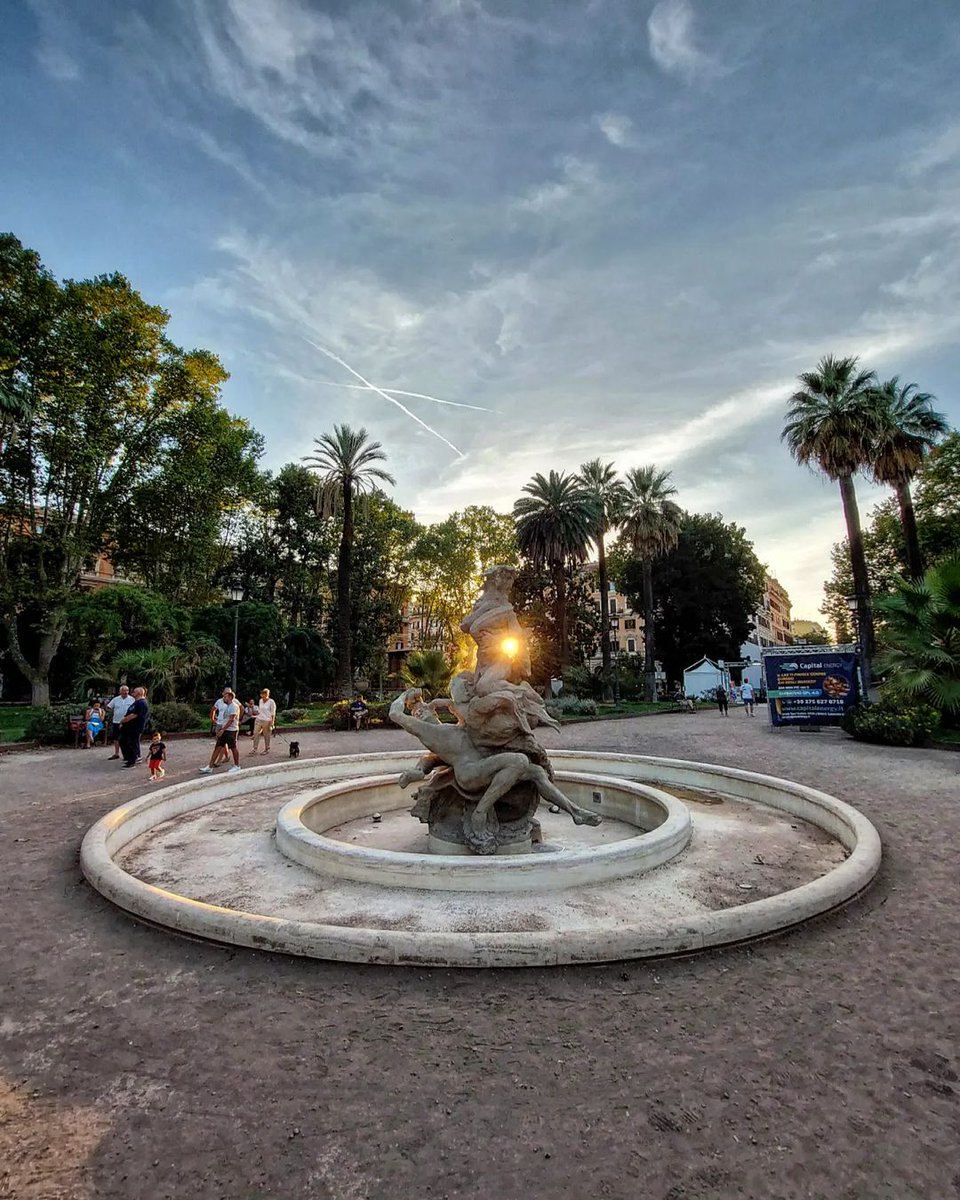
x=227, y=718
x=265, y=721
x=118, y=708
x=746, y=691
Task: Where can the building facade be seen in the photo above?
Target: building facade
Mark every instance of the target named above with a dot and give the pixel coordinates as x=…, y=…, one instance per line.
x=626, y=626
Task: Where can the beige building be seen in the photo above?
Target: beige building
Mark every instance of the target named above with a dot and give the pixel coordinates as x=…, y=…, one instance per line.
x=804, y=630
x=626, y=626
x=772, y=618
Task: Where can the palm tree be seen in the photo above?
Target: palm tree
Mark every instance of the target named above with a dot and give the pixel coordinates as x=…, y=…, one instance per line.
x=599, y=480
x=922, y=634
x=834, y=422
x=910, y=426
x=429, y=670
x=651, y=523
x=15, y=408
x=345, y=461
x=555, y=522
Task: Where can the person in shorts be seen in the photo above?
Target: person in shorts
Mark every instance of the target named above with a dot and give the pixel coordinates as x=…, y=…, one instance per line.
x=117, y=709
x=746, y=694
x=228, y=726
x=157, y=756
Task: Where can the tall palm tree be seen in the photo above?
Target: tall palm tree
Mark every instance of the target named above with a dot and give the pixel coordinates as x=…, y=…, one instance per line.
x=834, y=422
x=600, y=481
x=651, y=523
x=345, y=461
x=909, y=427
x=555, y=522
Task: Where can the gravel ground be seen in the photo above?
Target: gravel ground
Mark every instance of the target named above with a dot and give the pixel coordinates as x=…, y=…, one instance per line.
x=822, y=1064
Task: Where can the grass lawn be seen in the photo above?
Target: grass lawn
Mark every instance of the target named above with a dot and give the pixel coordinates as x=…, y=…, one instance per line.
x=946, y=735
x=13, y=722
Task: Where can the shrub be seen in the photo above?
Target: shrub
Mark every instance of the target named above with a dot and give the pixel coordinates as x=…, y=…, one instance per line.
x=891, y=723
x=173, y=716
x=572, y=706
x=290, y=716
x=51, y=724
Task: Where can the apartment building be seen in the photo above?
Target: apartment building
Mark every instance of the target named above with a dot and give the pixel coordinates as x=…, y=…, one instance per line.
x=626, y=626
x=771, y=620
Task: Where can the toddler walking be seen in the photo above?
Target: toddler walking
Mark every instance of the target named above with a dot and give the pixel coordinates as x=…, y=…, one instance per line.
x=158, y=756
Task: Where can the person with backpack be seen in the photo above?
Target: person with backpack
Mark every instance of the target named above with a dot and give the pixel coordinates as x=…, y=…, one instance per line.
x=721, y=695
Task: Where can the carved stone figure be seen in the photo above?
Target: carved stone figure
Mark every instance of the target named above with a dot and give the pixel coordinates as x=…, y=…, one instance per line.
x=484, y=777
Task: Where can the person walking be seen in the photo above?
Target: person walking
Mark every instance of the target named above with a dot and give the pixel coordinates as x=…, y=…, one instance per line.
x=158, y=756
x=132, y=727
x=117, y=709
x=746, y=694
x=266, y=719
x=228, y=726
x=721, y=695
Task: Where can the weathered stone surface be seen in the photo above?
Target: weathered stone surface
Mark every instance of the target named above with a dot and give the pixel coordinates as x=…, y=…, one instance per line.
x=483, y=778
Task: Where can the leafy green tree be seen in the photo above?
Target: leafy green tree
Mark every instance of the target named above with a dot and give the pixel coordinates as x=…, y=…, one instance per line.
x=555, y=521
x=346, y=462
x=102, y=383
x=384, y=537
x=448, y=562
x=287, y=548
x=651, y=524
x=936, y=503
x=922, y=635
x=308, y=664
x=176, y=525
x=600, y=481
x=909, y=428
x=535, y=604
x=707, y=589
x=834, y=422
x=260, y=643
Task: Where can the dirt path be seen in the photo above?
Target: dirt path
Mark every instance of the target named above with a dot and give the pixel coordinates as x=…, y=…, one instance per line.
x=824, y=1064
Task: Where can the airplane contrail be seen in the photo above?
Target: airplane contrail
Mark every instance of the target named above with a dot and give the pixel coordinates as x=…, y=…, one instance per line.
x=358, y=387
x=380, y=392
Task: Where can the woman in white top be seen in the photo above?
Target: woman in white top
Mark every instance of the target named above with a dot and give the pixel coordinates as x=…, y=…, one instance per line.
x=266, y=719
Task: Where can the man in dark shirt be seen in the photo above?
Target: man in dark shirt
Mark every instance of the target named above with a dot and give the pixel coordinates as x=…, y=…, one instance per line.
x=132, y=727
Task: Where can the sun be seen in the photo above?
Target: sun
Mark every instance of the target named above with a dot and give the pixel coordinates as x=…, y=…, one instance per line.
x=510, y=646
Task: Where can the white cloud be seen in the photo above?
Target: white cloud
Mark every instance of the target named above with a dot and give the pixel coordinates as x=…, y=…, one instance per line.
x=58, y=64
x=579, y=179
x=616, y=128
x=672, y=44
x=943, y=149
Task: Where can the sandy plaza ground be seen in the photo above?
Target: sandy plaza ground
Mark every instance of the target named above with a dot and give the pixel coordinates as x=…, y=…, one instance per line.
x=824, y=1063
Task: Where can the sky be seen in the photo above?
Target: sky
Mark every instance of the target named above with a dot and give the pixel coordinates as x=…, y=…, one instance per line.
x=620, y=228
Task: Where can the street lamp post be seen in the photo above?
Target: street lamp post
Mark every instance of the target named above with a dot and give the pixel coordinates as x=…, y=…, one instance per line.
x=236, y=595
x=856, y=606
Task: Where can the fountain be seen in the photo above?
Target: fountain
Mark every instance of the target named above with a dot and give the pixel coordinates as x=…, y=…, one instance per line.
x=635, y=856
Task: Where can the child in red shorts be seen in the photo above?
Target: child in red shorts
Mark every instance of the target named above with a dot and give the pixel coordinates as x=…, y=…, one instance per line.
x=158, y=756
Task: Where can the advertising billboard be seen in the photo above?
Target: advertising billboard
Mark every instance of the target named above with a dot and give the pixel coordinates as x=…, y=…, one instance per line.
x=810, y=686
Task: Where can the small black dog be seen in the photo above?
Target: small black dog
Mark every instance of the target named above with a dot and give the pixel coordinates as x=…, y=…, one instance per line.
x=294, y=749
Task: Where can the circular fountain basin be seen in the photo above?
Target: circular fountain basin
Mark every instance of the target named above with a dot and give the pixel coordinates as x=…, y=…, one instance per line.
x=660, y=826
x=763, y=854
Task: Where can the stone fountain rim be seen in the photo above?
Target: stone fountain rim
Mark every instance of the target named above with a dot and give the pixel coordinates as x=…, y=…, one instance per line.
x=757, y=918
x=543, y=871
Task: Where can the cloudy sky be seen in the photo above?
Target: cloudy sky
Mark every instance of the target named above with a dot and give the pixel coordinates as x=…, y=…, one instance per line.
x=622, y=226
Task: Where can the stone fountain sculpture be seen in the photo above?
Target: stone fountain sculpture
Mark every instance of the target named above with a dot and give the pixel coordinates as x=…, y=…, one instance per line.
x=483, y=777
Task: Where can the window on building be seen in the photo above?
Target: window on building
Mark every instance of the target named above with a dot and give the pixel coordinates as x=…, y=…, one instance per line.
x=631, y=645
x=398, y=645
x=631, y=624
x=612, y=608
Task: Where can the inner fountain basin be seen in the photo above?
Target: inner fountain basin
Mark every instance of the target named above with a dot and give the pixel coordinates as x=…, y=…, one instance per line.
x=642, y=828
x=200, y=858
